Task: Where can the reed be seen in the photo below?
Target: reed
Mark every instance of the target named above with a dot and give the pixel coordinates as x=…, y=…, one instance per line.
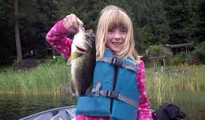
x=163, y=86
x=50, y=78
x=44, y=79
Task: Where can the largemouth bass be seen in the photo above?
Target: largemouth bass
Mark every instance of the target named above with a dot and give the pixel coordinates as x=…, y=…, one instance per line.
x=82, y=60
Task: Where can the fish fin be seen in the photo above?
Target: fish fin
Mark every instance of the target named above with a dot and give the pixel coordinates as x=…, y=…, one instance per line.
x=69, y=61
x=75, y=55
x=74, y=92
x=72, y=89
x=89, y=89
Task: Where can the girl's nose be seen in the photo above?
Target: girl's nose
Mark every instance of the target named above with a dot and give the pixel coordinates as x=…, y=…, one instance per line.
x=117, y=34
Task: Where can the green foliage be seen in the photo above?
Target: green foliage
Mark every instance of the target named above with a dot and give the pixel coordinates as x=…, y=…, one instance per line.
x=158, y=54
x=144, y=37
x=174, y=82
x=88, y=10
x=59, y=60
x=44, y=79
x=35, y=19
x=155, y=22
x=7, y=42
x=198, y=19
x=146, y=60
x=152, y=20
x=199, y=52
x=181, y=58
x=178, y=14
x=159, y=51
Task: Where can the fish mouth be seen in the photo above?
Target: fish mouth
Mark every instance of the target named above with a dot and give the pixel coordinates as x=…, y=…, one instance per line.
x=80, y=49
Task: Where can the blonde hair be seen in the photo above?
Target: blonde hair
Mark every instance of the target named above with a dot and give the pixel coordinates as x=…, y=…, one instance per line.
x=110, y=17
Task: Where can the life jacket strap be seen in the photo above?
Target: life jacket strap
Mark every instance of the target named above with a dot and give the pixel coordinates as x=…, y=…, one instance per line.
x=119, y=62
x=112, y=94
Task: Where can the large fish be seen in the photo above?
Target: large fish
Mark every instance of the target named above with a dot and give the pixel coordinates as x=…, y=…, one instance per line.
x=82, y=60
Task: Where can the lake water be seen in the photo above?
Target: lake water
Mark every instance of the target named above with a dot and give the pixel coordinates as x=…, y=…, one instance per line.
x=191, y=103
x=13, y=107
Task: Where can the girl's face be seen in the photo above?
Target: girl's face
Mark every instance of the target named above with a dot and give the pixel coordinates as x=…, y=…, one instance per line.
x=116, y=38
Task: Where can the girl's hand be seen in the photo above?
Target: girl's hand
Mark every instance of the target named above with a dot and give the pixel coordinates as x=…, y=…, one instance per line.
x=71, y=23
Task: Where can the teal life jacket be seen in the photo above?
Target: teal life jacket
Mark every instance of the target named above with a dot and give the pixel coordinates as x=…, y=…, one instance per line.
x=115, y=92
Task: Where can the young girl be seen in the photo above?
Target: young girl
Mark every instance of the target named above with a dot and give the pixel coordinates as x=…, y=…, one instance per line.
x=119, y=90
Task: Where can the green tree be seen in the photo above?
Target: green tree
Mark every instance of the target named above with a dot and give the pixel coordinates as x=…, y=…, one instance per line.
x=151, y=23
x=155, y=22
x=158, y=52
x=7, y=32
x=179, y=15
x=88, y=10
x=35, y=18
x=198, y=19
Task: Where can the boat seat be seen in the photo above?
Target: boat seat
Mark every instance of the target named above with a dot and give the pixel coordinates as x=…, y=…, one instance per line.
x=57, y=117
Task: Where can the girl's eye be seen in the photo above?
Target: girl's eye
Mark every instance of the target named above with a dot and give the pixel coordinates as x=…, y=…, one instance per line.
x=123, y=30
x=111, y=30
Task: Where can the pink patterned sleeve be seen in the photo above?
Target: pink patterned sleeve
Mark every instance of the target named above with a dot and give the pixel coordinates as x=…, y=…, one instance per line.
x=144, y=112
x=57, y=38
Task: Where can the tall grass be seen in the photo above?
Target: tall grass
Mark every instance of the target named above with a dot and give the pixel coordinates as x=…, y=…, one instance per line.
x=49, y=78
x=44, y=79
x=165, y=85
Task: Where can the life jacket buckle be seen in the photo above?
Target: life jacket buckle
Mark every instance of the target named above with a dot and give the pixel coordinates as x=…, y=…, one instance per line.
x=117, y=61
x=108, y=93
x=112, y=94
x=97, y=93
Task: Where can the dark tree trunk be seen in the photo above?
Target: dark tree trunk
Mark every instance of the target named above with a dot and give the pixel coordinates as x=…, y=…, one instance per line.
x=17, y=35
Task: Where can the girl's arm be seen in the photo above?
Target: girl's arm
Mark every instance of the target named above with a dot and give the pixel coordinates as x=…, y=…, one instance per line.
x=144, y=112
x=57, y=38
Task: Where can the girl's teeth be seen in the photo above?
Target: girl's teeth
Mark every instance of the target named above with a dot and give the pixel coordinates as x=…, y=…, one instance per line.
x=116, y=43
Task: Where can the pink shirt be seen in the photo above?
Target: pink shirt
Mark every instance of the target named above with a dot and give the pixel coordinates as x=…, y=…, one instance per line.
x=57, y=37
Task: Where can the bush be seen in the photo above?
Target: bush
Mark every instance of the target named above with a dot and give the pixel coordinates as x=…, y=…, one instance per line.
x=181, y=58
x=199, y=53
x=146, y=60
x=159, y=51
